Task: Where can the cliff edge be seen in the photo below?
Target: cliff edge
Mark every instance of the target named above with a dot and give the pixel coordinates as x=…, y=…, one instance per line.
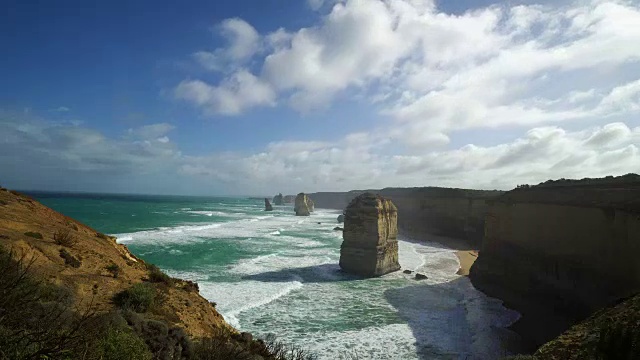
x=561, y=250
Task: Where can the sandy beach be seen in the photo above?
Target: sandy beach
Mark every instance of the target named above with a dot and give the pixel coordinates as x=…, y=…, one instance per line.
x=467, y=258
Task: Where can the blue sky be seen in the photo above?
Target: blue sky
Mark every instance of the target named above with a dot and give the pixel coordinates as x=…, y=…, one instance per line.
x=260, y=97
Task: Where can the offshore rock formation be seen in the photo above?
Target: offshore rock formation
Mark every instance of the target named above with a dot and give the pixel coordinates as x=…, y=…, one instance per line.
x=454, y=213
x=340, y=218
x=301, y=206
x=370, y=246
x=278, y=199
x=310, y=204
x=289, y=199
x=561, y=250
x=267, y=205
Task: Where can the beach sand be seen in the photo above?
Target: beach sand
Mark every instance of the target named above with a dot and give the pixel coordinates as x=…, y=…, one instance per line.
x=467, y=258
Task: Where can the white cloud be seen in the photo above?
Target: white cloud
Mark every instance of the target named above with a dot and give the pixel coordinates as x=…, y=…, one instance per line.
x=60, y=109
x=243, y=42
x=240, y=91
x=436, y=73
x=542, y=153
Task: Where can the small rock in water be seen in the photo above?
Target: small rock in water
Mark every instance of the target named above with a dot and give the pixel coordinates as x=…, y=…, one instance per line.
x=408, y=272
x=421, y=276
x=341, y=218
x=338, y=228
x=319, y=223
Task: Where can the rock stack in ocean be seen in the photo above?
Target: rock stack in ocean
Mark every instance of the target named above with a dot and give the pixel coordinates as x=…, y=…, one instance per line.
x=278, y=199
x=340, y=218
x=267, y=205
x=301, y=206
x=370, y=246
x=288, y=199
x=310, y=204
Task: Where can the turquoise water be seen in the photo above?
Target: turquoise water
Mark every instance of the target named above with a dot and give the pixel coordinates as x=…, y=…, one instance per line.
x=273, y=272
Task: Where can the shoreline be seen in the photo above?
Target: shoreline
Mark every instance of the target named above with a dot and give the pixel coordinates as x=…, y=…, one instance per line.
x=466, y=259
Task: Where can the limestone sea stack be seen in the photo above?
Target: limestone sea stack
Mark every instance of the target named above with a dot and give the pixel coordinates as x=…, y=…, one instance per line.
x=310, y=204
x=301, y=206
x=267, y=205
x=370, y=246
x=288, y=199
x=278, y=199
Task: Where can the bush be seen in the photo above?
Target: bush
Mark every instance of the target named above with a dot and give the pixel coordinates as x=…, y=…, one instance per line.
x=36, y=320
x=114, y=270
x=618, y=341
x=70, y=259
x=35, y=235
x=123, y=344
x=138, y=298
x=157, y=276
x=163, y=341
x=64, y=238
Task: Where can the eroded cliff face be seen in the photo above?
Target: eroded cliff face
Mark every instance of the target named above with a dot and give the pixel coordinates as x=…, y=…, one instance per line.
x=370, y=246
x=558, y=253
x=457, y=213
x=301, y=206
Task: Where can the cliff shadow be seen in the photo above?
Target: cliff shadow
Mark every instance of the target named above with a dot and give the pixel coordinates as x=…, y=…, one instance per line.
x=308, y=274
x=454, y=321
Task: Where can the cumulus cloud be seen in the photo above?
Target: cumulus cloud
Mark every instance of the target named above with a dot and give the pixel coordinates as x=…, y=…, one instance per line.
x=434, y=73
x=243, y=42
x=357, y=161
x=540, y=154
x=235, y=94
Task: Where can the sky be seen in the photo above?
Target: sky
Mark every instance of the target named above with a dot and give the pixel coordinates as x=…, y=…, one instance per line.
x=259, y=97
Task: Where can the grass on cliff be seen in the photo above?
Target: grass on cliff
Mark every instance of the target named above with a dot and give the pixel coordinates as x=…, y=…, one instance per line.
x=38, y=321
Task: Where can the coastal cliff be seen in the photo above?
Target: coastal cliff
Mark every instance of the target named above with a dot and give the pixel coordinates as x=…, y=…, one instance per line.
x=456, y=213
x=559, y=251
x=69, y=291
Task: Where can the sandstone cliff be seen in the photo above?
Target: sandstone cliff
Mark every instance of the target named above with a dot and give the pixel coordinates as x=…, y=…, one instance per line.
x=560, y=251
x=28, y=228
x=456, y=213
x=370, y=246
x=278, y=199
x=301, y=206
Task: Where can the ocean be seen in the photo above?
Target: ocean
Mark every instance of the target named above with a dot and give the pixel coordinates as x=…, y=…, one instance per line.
x=275, y=273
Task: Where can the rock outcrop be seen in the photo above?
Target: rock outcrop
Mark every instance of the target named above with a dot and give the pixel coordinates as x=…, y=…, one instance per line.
x=370, y=246
x=301, y=206
x=561, y=250
x=278, y=199
x=289, y=199
x=310, y=204
x=454, y=213
x=267, y=205
x=340, y=218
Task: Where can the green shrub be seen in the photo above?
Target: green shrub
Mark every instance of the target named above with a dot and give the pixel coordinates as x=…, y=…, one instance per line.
x=114, y=270
x=163, y=341
x=157, y=276
x=138, y=298
x=618, y=341
x=37, y=320
x=123, y=344
x=35, y=235
x=64, y=238
x=70, y=259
